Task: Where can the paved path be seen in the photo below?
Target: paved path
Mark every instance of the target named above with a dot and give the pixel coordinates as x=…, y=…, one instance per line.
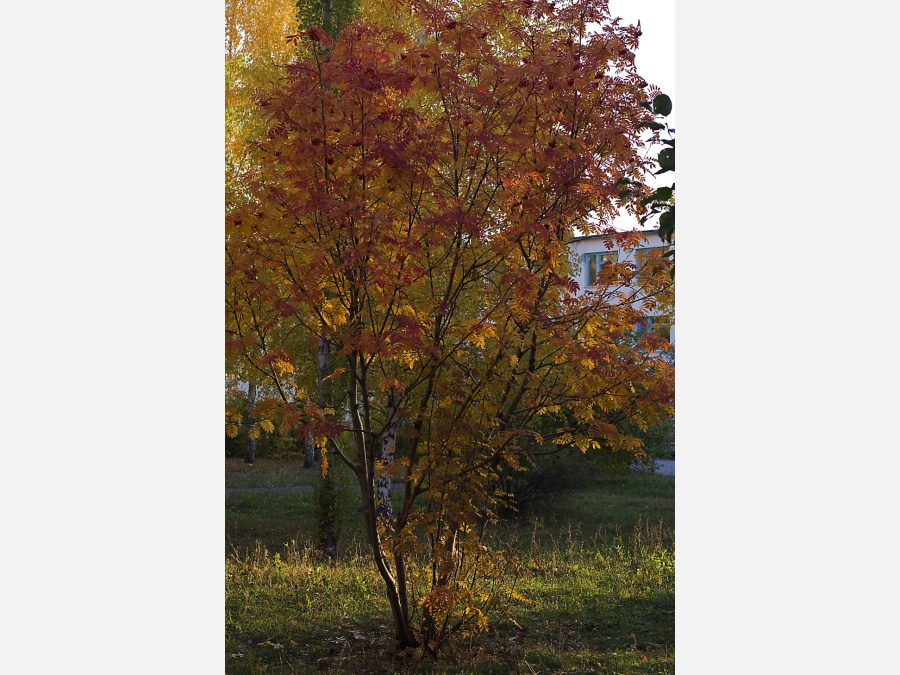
x=288, y=488
x=664, y=467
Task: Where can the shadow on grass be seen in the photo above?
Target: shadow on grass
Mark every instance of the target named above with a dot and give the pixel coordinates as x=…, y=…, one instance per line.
x=627, y=636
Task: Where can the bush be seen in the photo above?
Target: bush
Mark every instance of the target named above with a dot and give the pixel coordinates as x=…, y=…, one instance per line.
x=569, y=469
x=555, y=474
x=659, y=439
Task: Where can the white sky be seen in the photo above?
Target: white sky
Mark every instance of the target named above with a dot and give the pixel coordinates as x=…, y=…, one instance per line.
x=655, y=57
x=655, y=60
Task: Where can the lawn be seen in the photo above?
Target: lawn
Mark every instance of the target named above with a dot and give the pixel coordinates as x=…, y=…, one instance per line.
x=597, y=575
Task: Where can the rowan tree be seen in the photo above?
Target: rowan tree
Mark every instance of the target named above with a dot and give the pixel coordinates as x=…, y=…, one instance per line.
x=412, y=202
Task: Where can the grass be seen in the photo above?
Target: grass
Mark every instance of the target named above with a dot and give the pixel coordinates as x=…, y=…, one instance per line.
x=267, y=473
x=598, y=571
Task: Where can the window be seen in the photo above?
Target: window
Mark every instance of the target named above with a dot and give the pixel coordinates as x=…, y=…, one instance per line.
x=594, y=261
x=641, y=254
x=658, y=325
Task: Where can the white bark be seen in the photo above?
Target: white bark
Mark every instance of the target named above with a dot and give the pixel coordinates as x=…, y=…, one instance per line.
x=388, y=442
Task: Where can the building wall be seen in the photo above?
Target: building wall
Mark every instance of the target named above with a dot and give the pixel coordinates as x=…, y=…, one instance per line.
x=597, y=244
x=581, y=246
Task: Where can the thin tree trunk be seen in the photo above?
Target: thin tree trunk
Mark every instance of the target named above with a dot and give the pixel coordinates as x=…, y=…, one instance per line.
x=435, y=634
x=324, y=350
x=328, y=496
x=403, y=631
x=250, y=443
x=328, y=493
x=309, y=458
x=327, y=16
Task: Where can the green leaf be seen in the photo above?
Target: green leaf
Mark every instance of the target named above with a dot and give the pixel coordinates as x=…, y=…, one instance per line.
x=662, y=105
x=667, y=225
x=666, y=160
x=663, y=194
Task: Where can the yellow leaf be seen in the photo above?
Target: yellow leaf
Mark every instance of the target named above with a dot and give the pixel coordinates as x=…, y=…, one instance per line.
x=231, y=430
x=253, y=432
x=284, y=367
x=267, y=426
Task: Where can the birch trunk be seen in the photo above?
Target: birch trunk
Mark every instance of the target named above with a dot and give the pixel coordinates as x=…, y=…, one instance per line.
x=384, y=508
x=327, y=16
x=309, y=458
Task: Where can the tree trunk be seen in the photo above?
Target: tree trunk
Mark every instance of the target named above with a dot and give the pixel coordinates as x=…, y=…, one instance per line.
x=385, y=509
x=328, y=504
x=324, y=352
x=309, y=458
x=365, y=473
x=250, y=443
x=328, y=493
x=403, y=631
x=327, y=16
x=249, y=450
x=436, y=633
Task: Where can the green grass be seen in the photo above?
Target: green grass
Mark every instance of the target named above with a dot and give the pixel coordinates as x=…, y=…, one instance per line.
x=268, y=473
x=599, y=572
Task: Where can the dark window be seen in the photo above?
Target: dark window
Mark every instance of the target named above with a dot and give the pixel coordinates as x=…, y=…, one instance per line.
x=594, y=261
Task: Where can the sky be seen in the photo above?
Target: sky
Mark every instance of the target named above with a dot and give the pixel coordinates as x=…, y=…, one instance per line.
x=655, y=57
x=655, y=61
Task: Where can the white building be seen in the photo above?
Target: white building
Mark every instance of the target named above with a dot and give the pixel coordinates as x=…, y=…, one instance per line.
x=592, y=252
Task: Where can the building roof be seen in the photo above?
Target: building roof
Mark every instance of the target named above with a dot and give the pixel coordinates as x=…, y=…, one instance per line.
x=651, y=230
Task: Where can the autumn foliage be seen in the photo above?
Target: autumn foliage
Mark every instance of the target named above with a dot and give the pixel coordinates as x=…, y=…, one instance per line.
x=411, y=204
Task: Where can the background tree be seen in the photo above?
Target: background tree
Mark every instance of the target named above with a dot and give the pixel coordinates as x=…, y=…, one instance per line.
x=413, y=201
x=330, y=15
x=255, y=51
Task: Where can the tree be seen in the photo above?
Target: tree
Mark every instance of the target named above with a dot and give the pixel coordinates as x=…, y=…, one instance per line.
x=412, y=204
x=255, y=50
x=331, y=15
